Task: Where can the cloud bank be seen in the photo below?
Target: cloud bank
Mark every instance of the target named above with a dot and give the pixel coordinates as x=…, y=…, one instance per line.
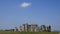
x=25, y=4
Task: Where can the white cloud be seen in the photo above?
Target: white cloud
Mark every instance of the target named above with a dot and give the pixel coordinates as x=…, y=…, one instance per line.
x=25, y=4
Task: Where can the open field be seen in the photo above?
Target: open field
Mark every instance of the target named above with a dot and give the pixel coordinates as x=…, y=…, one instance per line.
x=9, y=32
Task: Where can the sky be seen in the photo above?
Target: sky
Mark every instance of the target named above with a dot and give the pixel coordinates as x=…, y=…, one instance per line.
x=14, y=13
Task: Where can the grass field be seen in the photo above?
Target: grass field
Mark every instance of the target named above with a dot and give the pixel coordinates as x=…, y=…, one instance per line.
x=9, y=32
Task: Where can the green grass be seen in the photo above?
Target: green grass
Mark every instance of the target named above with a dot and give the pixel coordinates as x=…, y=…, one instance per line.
x=10, y=32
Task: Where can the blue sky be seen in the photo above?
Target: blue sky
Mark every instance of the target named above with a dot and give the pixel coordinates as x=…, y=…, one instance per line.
x=13, y=13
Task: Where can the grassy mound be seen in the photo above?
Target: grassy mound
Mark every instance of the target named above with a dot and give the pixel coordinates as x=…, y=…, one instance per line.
x=10, y=32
